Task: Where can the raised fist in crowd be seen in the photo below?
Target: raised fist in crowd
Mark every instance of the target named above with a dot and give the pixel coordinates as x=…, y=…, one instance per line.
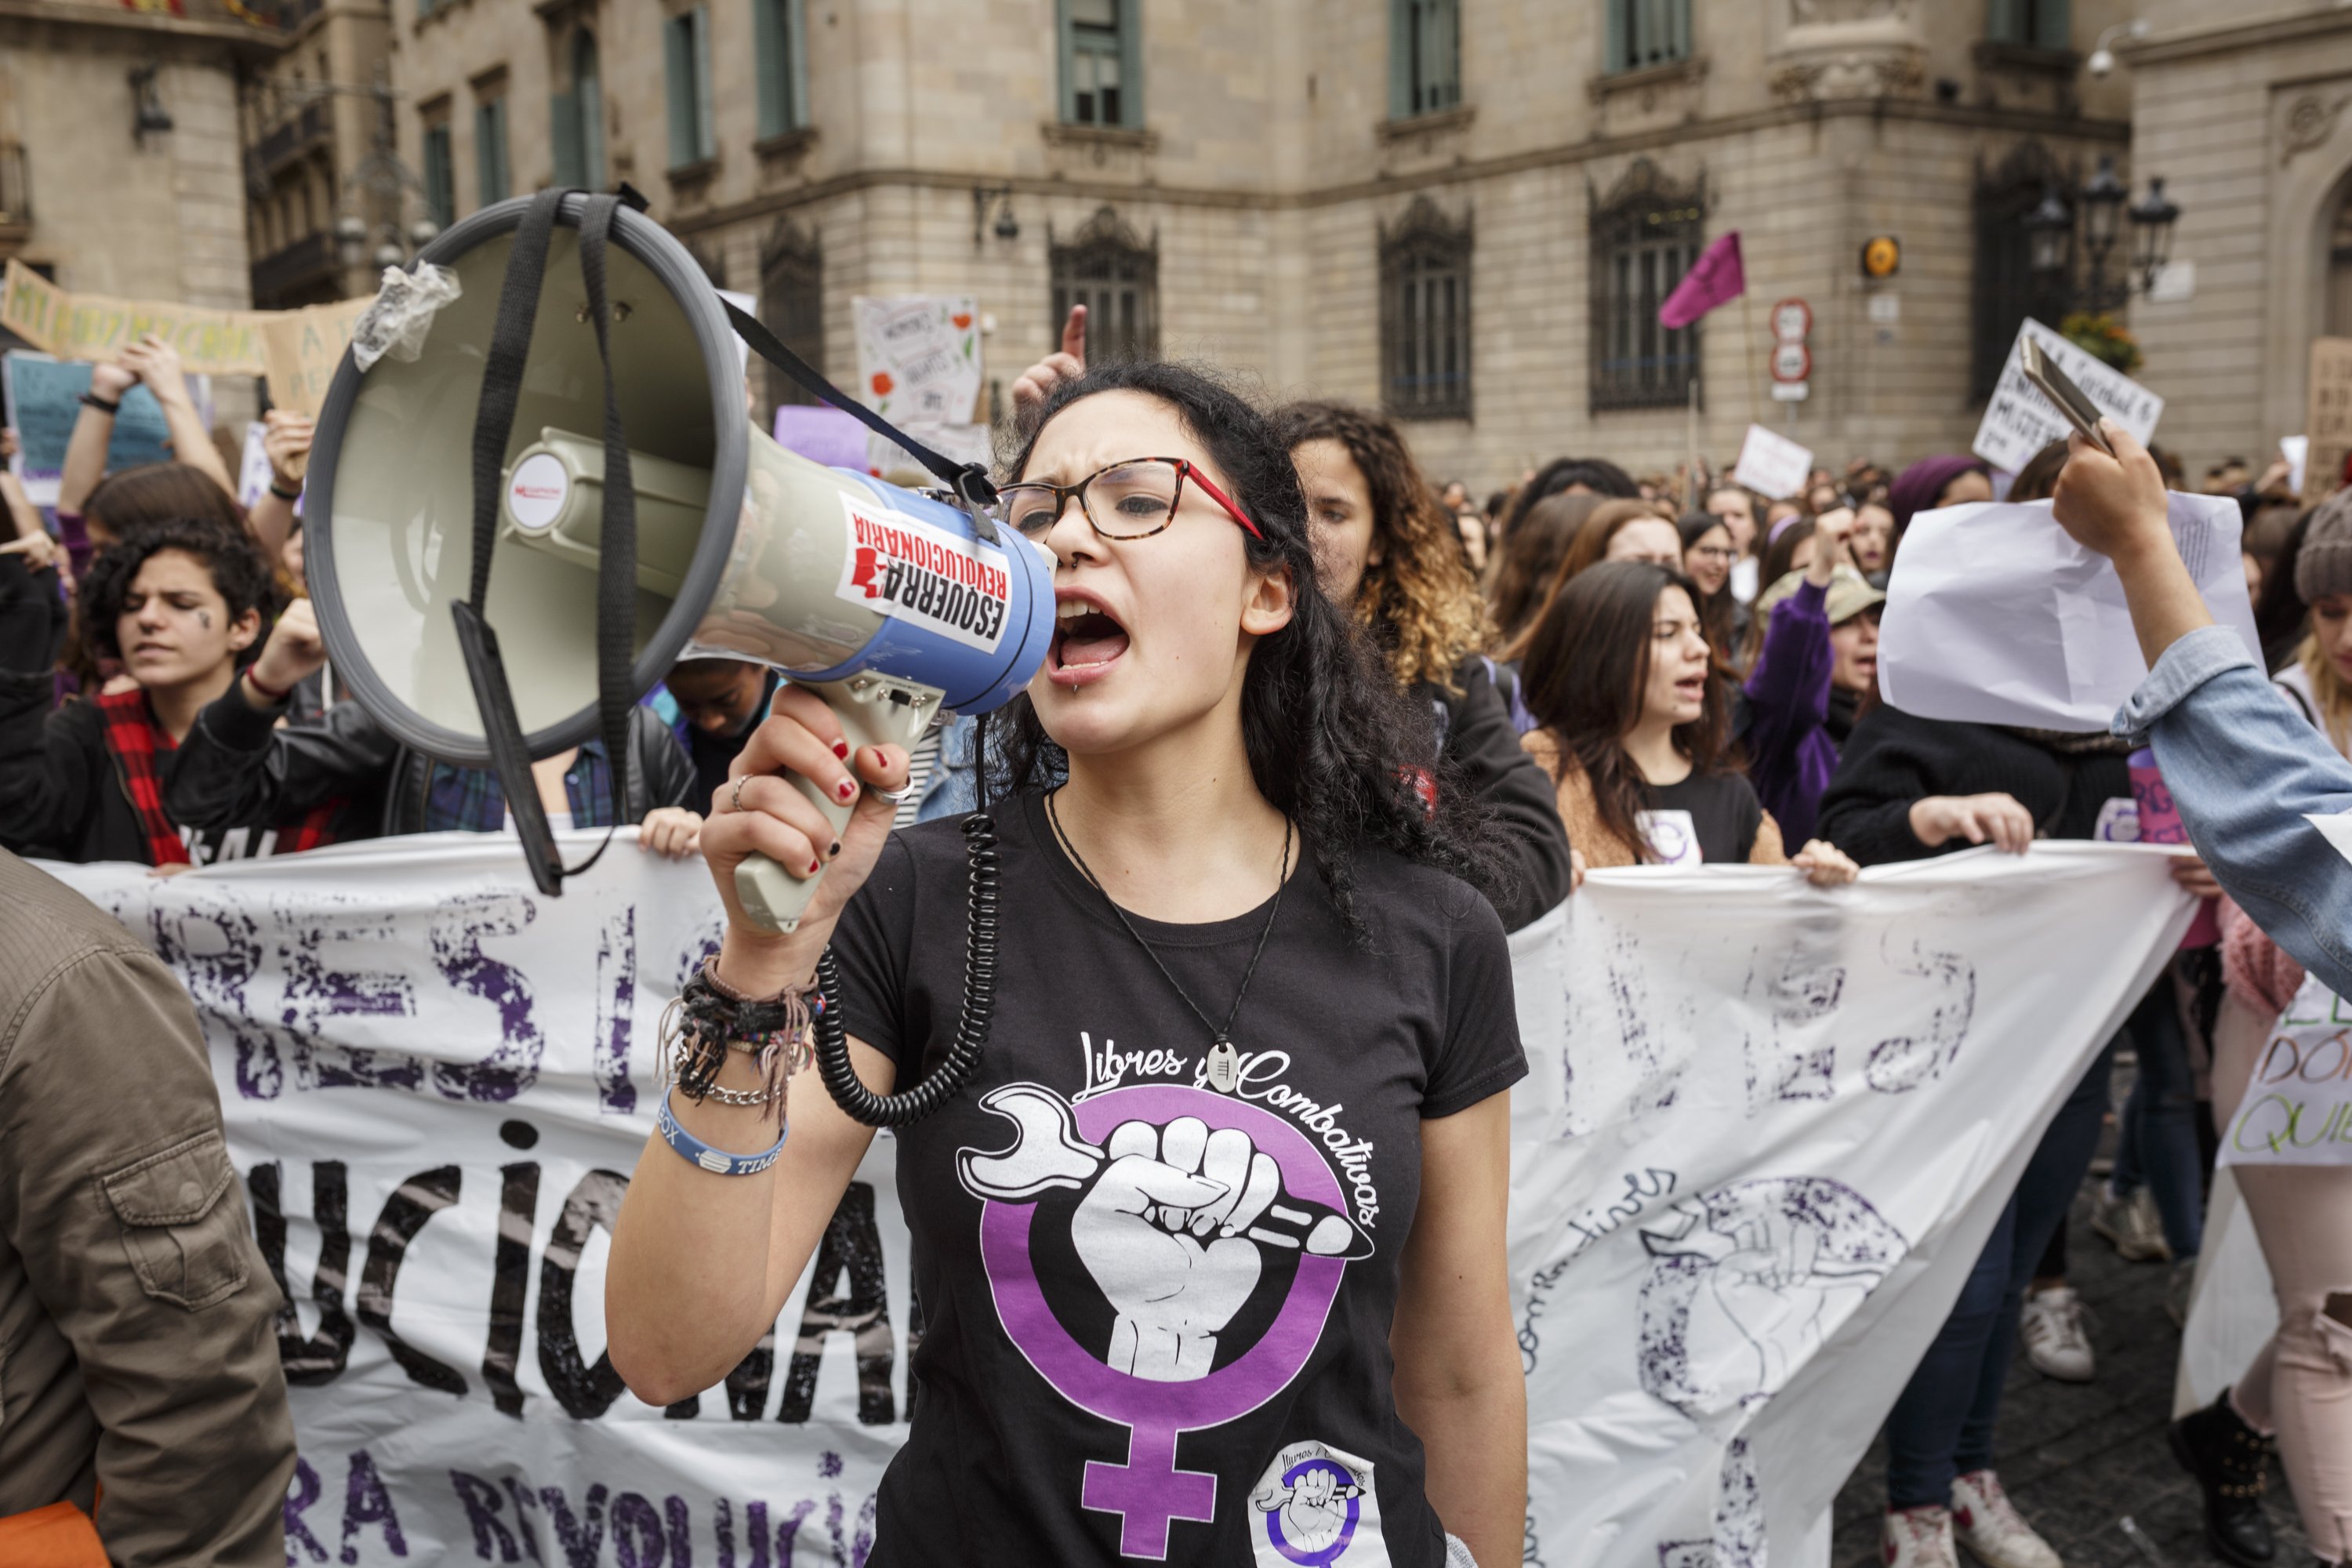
x=1038, y=382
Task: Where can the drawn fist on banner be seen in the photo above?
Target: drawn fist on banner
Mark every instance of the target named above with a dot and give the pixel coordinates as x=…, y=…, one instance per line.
x=1164, y=1232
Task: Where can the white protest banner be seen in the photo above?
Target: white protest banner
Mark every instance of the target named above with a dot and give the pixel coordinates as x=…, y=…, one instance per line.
x=1757, y=1154
x=1994, y=615
x=2296, y=450
x=2018, y=421
x=1772, y=465
x=919, y=356
x=2232, y=1309
x=2299, y=1104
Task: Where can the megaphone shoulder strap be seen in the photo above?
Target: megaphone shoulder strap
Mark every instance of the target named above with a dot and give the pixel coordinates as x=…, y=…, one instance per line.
x=510, y=349
x=969, y=480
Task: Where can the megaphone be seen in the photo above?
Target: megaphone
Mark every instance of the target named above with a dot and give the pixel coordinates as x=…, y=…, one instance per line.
x=898, y=607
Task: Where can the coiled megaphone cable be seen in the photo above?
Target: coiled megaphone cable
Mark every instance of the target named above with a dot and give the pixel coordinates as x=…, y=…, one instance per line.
x=833, y=1063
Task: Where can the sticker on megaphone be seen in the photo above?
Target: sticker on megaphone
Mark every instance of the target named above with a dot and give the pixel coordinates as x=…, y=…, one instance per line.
x=911, y=570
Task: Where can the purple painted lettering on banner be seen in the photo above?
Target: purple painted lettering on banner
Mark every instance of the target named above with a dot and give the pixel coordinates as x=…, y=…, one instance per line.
x=583, y=1543
x=215, y=949
x=457, y=933
x=1903, y=1062
x=637, y=1539
x=299, y=1496
x=681, y=1531
x=367, y=1502
x=525, y=1502
x=315, y=995
x=616, y=1012
x=788, y=1533
x=480, y=1501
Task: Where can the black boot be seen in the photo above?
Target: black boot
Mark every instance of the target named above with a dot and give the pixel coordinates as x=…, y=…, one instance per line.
x=2229, y=1460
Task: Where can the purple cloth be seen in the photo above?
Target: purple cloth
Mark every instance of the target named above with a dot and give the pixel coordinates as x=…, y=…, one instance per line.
x=1916, y=488
x=1716, y=276
x=73, y=534
x=1790, y=753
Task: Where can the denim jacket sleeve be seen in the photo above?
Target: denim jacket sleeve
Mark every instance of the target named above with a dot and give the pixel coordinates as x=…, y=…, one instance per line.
x=2245, y=768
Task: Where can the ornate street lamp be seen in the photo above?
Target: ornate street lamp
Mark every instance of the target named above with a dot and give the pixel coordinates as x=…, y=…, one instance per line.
x=2103, y=211
x=2152, y=222
x=2050, y=237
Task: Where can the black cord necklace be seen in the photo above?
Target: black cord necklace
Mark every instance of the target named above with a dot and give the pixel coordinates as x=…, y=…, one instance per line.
x=1223, y=1060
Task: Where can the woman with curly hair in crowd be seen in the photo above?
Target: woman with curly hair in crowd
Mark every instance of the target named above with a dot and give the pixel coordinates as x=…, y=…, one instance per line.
x=1385, y=547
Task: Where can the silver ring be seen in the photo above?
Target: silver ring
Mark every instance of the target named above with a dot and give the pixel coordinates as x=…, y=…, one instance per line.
x=735, y=795
x=901, y=797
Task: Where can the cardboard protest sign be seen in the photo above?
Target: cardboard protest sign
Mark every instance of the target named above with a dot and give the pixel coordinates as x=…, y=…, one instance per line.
x=918, y=356
x=45, y=399
x=95, y=327
x=1772, y=465
x=2328, y=418
x=2298, y=1105
x=2018, y=421
x=300, y=349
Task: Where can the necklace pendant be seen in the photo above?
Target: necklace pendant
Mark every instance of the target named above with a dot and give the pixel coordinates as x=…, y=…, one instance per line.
x=1224, y=1065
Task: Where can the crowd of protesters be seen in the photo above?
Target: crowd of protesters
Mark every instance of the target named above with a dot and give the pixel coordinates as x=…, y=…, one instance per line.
x=1592, y=669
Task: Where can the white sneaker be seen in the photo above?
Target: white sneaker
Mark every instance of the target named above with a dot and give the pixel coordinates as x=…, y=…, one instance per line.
x=1918, y=1538
x=2132, y=1224
x=1993, y=1530
x=2055, y=1340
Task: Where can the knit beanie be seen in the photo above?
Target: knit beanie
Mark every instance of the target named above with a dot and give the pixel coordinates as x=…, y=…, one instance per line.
x=2324, y=564
x=1916, y=487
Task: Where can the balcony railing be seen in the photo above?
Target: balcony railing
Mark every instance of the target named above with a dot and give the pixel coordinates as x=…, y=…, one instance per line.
x=296, y=136
x=282, y=272
x=16, y=192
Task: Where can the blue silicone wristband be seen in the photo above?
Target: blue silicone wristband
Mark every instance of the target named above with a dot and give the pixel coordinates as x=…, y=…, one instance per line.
x=702, y=1156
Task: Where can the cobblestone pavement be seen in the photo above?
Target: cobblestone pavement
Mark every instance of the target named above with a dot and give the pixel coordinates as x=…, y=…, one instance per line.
x=2078, y=1457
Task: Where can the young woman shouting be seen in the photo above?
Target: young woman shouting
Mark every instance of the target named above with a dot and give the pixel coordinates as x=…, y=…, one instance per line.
x=1632, y=719
x=1210, y=1249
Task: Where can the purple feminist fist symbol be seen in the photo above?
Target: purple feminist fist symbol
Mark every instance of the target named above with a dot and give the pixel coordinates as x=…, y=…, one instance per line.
x=1183, y=1187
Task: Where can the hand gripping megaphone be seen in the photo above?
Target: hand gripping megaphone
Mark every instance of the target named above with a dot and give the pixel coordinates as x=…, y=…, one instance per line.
x=899, y=608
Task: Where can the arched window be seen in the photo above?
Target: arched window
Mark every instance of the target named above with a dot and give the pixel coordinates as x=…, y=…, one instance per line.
x=1107, y=268
x=792, y=303
x=1645, y=235
x=2006, y=289
x=2339, y=272
x=1425, y=315
x=579, y=119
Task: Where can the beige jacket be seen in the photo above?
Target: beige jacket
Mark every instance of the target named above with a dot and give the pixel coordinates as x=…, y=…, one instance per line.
x=1601, y=847
x=138, y=1350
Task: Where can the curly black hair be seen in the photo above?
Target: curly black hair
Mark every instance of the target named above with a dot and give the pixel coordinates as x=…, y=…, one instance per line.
x=1333, y=741
x=240, y=573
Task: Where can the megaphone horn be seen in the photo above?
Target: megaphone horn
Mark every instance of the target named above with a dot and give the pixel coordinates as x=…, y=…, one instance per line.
x=895, y=605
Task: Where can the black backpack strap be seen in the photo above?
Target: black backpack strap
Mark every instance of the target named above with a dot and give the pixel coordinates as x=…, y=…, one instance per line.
x=970, y=481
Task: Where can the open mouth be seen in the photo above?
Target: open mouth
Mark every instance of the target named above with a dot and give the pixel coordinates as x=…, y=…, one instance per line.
x=1691, y=689
x=1087, y=640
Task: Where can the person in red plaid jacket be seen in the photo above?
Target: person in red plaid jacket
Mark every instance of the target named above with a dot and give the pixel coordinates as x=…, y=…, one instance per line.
x=182, y=603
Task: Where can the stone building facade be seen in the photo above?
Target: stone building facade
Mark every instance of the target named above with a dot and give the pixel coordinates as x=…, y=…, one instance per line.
x=1464, y=209
x=2242, y=107
x=100, y=205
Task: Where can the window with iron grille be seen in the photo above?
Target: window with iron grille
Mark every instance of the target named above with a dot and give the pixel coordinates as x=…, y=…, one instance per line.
x=2005, y=288
x=1425, y=315
x=576, y=117
x=686, y=48
x=1102, y=62
x=1645, y=235
x=780, y=42
x=2041, y=24
x=1645, y=32
x=440, y=187
x=1109, y=269
x=491, y=183
x=1424, y=57
x=792, y=303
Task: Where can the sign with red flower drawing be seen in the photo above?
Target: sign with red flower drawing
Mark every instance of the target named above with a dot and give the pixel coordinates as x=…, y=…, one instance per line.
x=918, y=356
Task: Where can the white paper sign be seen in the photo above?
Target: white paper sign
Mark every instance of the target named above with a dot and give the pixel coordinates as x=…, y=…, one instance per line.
x=1767, y=1128
x=918, y=356
x=2018, y=421
x=2299, y=1104
x=2296, y=450
x=1994, y=615
x=1772, y=465
x=2336, y=830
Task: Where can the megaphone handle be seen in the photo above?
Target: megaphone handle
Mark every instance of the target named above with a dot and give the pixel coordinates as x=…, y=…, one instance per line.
x=772, y=895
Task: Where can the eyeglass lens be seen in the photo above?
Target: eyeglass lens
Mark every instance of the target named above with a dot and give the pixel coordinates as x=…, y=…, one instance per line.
x=1124, y=501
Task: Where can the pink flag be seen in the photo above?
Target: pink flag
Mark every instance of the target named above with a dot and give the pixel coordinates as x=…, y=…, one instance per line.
x=1715, y=276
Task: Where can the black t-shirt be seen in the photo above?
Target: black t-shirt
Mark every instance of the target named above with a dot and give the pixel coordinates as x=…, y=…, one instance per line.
x=1156, y=1317
x=1723, y=814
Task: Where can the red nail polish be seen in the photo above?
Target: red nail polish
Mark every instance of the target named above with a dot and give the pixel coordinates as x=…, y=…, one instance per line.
x=841, y=750
x=848, y=790
x=814, y=866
